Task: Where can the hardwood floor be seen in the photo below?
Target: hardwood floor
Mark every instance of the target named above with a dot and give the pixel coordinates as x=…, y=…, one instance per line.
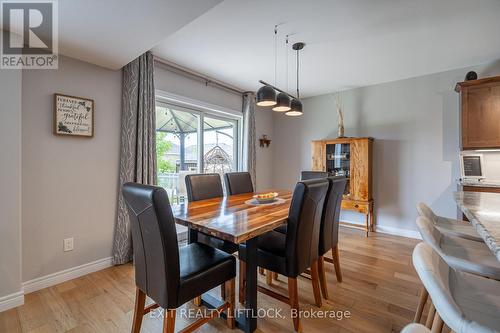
x=380, y=289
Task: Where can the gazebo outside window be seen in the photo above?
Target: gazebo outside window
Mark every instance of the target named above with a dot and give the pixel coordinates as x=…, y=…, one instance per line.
x=180, y=134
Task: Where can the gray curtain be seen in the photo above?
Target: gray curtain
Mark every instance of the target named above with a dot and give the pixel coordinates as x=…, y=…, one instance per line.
x=138, y=143
x=249, y=139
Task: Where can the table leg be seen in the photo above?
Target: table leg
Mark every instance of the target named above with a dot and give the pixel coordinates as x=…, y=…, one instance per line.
x=192, y=236
x=251, y=285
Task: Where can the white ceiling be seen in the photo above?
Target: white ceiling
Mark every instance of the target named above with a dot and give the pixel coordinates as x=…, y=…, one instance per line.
x=349, y=43
x=111, y=33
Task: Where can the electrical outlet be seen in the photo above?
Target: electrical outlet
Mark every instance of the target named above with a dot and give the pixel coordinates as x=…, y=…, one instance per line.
x=68, y=244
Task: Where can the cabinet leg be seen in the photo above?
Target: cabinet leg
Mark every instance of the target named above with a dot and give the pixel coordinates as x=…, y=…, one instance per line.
x=367, y=220
x=372, y=218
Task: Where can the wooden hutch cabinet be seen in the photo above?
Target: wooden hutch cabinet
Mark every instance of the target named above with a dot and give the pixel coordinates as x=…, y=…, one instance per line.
x=352, y=158
x=480, y=113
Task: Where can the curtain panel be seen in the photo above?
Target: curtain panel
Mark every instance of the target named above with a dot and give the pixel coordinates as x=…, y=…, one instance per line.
x=249, y=139
x=138, y=144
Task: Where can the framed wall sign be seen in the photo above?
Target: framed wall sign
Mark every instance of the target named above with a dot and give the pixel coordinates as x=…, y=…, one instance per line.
x=73, y=116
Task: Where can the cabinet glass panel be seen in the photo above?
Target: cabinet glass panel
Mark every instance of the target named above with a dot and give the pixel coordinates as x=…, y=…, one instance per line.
x=338, y=161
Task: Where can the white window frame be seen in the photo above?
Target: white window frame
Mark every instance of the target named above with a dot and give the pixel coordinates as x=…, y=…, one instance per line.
x=203, y=109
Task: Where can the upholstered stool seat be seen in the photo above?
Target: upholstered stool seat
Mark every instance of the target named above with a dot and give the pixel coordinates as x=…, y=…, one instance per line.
x=460, y=253
x=467, y=303
x=452, y=227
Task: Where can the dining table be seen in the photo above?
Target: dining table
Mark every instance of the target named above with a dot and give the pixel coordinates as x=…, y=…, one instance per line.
x=238, y=219
x=482, y=209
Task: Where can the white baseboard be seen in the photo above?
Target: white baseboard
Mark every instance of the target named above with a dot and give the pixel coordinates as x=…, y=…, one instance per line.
x=398, y=232
x=11, y=301
x=65, y=275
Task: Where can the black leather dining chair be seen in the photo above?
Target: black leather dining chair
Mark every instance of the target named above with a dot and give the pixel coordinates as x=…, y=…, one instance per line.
x=203, y=186
x=170, y=275
x=238, y=183
x=293, y=253
x=307, y=175
x=329, y=231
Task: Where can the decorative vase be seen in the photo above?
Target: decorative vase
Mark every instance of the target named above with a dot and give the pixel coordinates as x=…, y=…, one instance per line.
x=340, y=115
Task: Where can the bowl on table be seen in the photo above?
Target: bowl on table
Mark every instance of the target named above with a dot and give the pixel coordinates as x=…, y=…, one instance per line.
x=264, y=198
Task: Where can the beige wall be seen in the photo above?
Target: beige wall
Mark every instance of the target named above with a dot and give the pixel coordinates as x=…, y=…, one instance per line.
x=10, y=182
x=69, y=184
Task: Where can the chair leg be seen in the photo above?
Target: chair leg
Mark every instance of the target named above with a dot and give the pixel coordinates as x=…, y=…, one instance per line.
x=262, y=271
x=229, y=297
x=169, y=321
x=222, y=292
x=269, y=277
x=322, y=277
x=197, y=301
x=437, y=324
x=140, y=300
x=242, y=283
x=315, y=283
x=294, y=303
x=336, y=262
x=275, y=276
x=430, y=316
x=424, y=295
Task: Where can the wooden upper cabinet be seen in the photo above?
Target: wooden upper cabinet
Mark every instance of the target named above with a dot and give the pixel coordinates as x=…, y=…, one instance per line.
x=480, y=113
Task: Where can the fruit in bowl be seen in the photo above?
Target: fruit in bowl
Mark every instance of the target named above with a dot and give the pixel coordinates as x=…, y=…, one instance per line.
x=266, y=197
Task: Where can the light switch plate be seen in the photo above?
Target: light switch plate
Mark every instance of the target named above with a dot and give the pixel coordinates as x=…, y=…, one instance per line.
x=68, y=244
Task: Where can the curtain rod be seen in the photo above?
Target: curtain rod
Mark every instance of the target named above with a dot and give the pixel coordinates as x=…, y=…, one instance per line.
x=200, y=77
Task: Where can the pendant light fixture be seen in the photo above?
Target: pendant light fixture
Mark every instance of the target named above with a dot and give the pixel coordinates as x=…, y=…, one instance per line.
x=296, y=104
x=270, y=95
x=266, y=95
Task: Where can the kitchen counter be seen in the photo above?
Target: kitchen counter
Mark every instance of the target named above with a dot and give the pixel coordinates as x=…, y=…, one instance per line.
x=480, y=184
x=483, y=211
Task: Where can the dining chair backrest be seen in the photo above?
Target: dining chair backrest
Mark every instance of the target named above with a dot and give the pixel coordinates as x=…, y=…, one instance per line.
x=308, y=175
x=203, y=186
x=461, y=299
x=238, y=183
x=154, y=240
x=303, y=226
x=329, y=230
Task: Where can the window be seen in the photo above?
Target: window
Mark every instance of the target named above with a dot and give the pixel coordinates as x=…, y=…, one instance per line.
x=193, y=138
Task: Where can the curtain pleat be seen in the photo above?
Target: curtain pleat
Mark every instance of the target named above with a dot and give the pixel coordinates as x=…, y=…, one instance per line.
x=249, y=139
x=138, y=144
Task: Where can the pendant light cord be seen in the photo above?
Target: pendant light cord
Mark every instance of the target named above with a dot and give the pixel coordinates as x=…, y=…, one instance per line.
x=286, y=62
x=275, y=52
x=298, y=96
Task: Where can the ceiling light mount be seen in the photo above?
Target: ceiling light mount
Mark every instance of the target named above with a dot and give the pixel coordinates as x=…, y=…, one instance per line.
x=298, y=46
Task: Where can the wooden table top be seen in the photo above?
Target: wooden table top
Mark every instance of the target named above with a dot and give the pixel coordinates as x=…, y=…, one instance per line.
x=230, y=218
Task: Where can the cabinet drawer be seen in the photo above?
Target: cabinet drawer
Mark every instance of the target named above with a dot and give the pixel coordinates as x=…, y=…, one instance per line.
x=357, y=206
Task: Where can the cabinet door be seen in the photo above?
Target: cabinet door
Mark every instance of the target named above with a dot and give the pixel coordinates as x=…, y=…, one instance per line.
x=481, y=117
x=361, y=170
x=318, y=155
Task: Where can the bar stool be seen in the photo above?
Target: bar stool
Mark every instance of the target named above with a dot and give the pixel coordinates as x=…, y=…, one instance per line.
x=467, y=303
x=449, y=226
x=460, y=253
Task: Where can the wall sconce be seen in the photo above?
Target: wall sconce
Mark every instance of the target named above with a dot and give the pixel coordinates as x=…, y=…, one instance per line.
x=264, y=141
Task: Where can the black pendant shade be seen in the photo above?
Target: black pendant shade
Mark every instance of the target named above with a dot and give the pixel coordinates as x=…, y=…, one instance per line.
x=282, y=103
x=295, y=108
x=266, y=96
